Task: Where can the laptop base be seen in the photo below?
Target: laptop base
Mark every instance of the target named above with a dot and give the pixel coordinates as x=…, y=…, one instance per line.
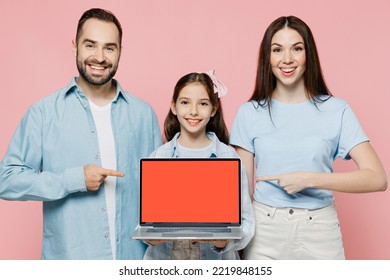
x=145, y=234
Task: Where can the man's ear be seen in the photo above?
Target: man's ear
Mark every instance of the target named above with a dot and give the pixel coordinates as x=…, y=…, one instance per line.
x=74, y=47
x=173, y=108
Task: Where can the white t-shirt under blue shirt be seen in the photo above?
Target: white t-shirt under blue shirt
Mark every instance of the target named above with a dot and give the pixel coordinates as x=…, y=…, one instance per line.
x=299, y=137
x=102, y=118
x=186, y=152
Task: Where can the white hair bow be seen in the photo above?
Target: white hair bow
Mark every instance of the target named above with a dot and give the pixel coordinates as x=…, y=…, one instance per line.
x=219, y=87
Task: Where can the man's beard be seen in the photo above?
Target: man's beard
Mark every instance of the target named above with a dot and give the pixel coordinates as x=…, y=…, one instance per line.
x=96, y=81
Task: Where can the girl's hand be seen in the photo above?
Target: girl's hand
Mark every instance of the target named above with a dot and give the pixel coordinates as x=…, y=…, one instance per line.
x=292, y=182
x=155, y=242
x=220, y=244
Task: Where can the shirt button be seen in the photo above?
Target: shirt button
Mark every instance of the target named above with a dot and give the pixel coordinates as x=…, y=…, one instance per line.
x=103, y=209
x=291, y=211
x=106, y=235
x=92, y=131
x=97, y=156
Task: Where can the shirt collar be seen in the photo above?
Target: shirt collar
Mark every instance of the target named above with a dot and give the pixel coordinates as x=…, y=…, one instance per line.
x=73, y=87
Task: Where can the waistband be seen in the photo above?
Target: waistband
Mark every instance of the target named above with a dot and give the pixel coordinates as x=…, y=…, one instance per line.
x=293, y=213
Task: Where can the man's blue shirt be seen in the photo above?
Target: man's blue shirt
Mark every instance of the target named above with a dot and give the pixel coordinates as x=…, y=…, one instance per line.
x=45, y=160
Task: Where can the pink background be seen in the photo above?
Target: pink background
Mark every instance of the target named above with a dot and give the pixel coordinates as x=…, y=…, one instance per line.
x=164, y=40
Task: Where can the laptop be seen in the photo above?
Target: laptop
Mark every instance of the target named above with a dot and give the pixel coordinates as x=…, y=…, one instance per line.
x=187, y=198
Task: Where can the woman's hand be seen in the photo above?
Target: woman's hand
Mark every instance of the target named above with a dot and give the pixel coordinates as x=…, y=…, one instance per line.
x=292, y=182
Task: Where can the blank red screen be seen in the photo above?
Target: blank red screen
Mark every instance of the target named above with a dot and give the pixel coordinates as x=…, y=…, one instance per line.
x=190, y=191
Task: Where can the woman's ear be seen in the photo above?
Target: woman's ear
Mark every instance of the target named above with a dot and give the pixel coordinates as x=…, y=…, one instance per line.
x=173, y=108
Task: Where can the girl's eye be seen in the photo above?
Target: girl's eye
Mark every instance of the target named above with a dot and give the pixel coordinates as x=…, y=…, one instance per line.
x=204, y=103
x=276, y=50
x=184, y=102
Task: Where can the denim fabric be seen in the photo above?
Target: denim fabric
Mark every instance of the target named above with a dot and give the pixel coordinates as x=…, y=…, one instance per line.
x=295, y=234
x=45, y=159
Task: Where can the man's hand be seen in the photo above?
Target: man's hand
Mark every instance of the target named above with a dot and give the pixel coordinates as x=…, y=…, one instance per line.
x=94, y=176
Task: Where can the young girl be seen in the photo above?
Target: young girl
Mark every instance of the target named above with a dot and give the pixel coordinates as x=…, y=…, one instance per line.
x=195, y=127
x=295, y=129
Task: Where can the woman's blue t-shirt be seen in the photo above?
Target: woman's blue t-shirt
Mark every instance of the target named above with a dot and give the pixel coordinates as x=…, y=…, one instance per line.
x=296, y=137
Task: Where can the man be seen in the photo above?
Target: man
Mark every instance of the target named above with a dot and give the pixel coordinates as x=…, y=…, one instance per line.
x=69, y=146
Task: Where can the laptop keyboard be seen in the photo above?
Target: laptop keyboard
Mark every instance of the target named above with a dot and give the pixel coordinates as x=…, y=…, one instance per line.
x=213, y=230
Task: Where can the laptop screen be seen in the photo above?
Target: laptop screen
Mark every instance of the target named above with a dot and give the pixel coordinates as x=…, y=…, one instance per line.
x=205, y=191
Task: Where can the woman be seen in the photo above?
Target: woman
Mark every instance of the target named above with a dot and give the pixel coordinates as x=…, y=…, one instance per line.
x=295, y=129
